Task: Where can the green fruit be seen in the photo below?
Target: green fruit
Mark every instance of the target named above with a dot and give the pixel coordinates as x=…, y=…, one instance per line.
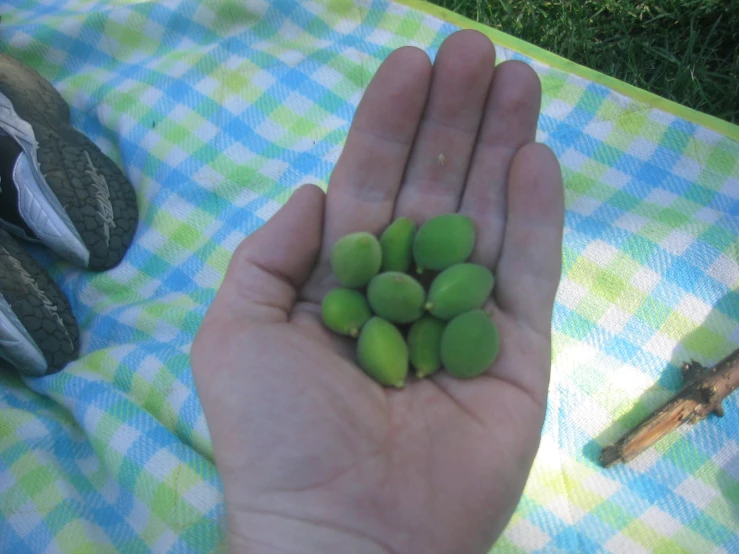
x=356, y=258
x=397, y=245
x=424, y=345
x=443, y=241
x=470, y=344
x=459, y=289
x=396, y=296
x=344, y=311
x=382, y=353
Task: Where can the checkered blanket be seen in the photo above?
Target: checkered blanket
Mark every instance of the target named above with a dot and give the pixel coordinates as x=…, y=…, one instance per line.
x=217, y=110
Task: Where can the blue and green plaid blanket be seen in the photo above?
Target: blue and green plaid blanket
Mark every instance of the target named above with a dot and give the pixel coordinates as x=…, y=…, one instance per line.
x=217, y=110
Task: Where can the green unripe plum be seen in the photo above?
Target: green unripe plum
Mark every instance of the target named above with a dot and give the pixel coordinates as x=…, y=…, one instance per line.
x=470, y=344
x=459, y=289
x=396, y=296
x=397, y=245
x=356, y=258
x=382, y=353
x=345, y=311
x=424, y=345
x=443, y=241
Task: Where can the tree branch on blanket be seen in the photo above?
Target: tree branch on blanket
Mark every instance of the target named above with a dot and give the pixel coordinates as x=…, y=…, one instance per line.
x=704, y=390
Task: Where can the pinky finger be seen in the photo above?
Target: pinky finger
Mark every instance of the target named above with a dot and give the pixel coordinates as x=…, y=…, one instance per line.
x=530, y=265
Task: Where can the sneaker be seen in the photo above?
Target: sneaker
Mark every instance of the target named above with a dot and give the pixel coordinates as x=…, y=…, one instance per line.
x=68, y=194
x=38, y=332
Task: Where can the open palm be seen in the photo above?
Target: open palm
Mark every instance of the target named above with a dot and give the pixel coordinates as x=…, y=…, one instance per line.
x=316, y=457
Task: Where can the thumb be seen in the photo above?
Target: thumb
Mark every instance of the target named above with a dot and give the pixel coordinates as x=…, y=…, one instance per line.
x=271, y=265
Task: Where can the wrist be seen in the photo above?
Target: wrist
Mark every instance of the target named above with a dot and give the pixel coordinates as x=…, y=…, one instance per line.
x=264, y=533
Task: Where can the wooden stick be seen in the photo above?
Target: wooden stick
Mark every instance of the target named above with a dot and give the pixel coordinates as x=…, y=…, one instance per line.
x=704, y=390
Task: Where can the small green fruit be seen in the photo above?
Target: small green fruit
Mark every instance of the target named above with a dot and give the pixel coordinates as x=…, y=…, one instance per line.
x=397, y=245
x=443, y=241
x=344, y=311
x=424, y=345
x=470, y=344
x=383, y=353
x=459, y=289
x=396, y=296
x=356, y=258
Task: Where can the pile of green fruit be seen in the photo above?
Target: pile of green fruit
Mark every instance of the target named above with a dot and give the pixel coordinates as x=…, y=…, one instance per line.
x=395, y=318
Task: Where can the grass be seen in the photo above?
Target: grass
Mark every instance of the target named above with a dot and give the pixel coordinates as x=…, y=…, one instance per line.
x=683, y=50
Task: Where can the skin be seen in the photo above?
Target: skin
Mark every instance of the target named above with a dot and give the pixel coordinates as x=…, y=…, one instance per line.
x=313, y=455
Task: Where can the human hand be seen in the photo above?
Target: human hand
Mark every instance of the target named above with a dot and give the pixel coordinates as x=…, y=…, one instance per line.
x=313, y=455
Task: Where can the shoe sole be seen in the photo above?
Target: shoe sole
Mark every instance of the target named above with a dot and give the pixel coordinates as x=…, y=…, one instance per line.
x=79, y=203
x=38, y=332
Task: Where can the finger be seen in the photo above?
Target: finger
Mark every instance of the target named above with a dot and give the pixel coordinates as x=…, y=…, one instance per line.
x=530, y=265
x=510, y=122
x=271, y=264
x=446, y=138
x=365, y=181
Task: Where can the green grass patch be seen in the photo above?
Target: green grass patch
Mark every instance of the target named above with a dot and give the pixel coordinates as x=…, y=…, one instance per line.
x=683, y=50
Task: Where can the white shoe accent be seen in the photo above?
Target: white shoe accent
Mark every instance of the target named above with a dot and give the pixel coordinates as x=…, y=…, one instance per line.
x=51, y=310
x=102, y=196
x=46, y=223
x=38, y=205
